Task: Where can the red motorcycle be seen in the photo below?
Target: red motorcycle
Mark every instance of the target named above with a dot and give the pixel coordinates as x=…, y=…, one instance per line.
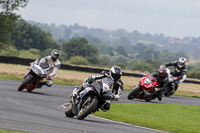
x=146, y=89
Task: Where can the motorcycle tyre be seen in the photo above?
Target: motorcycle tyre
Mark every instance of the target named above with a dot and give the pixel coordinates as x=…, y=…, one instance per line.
x=68, y=111
x=133, y=93
x=24, y=83
x=168, y=94
x=91, y=107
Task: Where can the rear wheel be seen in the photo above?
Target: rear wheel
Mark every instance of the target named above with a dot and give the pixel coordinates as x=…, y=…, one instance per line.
x=68, y=111
x=87, y=109
x=134, y=93
x=24, y=83
x=169, y=91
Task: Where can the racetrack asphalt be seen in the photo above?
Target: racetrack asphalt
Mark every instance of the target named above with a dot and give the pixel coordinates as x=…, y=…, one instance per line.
x=41, y=111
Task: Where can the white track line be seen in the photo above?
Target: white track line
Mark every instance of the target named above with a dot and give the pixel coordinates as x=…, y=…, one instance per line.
x=64, y=106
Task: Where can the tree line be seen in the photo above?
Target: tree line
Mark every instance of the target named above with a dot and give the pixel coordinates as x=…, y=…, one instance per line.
x=24, y=40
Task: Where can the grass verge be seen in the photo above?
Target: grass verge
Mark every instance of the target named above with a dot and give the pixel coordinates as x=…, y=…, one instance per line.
x=186, y=95
x=56, y=82
x=71, y=83
x=4, y=131
x=166, y=117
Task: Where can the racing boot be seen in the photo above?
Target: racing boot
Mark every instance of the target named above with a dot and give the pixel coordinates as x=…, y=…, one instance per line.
x=173, y=88
x=44, y=83
x=41, y=84
x=160, y=95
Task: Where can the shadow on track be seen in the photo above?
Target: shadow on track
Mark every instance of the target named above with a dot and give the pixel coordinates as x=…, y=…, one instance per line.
x=39, y=93
x=143, y=101
x=96, y=121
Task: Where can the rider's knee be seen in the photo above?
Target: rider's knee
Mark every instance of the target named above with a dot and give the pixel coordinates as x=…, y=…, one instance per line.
x=184, y=77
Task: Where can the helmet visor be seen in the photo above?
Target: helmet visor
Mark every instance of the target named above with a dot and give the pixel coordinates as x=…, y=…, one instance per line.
x=54, y=57
x=161, y=74
x=181, y=63
x=116, y=77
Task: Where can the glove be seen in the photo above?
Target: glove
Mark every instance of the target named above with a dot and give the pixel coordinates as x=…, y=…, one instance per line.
x=157, y=89
x=47, y=77
x=115, y=97
x=90, y=80
x=175, y=78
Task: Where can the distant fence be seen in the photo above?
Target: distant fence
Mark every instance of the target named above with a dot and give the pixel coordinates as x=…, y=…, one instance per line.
x=23, y=61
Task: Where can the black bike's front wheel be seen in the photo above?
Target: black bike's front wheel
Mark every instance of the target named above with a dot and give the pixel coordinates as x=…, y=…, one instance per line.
x=87, y=109
x=68, y=111
x=24, y=83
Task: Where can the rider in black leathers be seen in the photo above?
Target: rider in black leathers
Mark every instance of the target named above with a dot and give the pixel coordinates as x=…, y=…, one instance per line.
x=180, y=69
x=179, y=73
x=163, y=79
x=114, y=74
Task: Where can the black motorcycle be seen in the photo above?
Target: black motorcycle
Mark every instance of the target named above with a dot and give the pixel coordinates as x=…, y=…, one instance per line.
x=33, y=78
x=90, y=100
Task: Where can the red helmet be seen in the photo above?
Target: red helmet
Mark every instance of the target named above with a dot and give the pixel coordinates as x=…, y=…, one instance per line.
x=162, y=71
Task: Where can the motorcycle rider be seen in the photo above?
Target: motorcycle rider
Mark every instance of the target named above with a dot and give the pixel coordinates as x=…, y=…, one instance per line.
x=163, y=79
x=50, y=64
x=180, y=69
x=114, y=74
x=179, y=73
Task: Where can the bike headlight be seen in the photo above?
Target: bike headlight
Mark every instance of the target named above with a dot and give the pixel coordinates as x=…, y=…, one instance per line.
x=35, y=70
x=147, y=81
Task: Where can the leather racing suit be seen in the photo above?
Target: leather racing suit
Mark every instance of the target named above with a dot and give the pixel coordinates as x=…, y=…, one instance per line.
x=117, y=88
x=50, y=67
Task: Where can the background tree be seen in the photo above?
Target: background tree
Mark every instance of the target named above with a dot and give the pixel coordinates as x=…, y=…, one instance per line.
x=78, y=60
x=66, y=33
x=148, y=53
x=80, y=47
x=121, y=51
x=105, y=59
x=8, y=18
x=32, y=37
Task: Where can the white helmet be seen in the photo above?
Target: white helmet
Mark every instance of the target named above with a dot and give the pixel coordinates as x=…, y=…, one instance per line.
x=181, y=62
x=55, y=54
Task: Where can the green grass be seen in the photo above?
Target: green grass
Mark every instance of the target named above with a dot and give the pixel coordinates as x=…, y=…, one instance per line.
x=55, y=82
x=166, y=117
x=186, y=95
x=65, y=83
x=4, y=131
x=9, y=77
x=71, y=83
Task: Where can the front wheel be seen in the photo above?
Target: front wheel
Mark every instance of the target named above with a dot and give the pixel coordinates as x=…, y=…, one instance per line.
x=68, y=111
x=134, y=93
x=24, y=83
x=87, y=109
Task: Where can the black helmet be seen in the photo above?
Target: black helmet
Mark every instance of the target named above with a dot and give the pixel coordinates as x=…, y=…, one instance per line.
x=162, y=71
x=115, y=73
x=55, y=54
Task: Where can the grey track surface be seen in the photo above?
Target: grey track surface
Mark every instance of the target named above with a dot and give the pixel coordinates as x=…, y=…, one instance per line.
x=41, y=111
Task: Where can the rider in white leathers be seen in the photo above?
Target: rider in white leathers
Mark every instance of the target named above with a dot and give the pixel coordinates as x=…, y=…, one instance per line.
x=50, y=64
